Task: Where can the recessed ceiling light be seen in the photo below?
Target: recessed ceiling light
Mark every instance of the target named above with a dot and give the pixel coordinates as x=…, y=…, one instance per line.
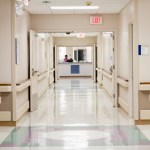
x=74, y=7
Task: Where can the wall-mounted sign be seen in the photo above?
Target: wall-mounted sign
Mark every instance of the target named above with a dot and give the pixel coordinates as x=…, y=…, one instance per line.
x=96, y=20
x=143, y=50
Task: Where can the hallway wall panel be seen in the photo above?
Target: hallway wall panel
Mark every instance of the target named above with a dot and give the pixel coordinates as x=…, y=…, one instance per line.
x=5, y=42
x=72, y=22
x=73, y=41
x=144, y=60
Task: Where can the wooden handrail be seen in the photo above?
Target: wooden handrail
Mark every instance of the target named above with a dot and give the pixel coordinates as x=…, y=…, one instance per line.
x=144, y=82
x=5, y=84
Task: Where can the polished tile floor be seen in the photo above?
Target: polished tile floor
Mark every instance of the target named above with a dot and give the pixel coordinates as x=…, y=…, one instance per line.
x=75, y=114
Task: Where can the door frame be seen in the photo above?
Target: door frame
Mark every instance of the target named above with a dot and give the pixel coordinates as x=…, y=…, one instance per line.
x=131, y=95
x=94, y=63
x=31, y=72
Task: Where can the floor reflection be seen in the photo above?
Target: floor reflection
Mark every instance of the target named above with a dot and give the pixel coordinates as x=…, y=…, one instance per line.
x=73, y=137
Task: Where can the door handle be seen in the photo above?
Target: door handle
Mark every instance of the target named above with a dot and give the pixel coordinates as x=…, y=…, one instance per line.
x=34, y=71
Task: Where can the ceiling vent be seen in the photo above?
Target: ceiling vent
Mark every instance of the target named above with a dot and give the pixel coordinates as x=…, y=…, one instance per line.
x=46, y=2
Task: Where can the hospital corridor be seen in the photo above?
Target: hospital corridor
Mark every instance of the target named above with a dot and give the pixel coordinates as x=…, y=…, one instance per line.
x=74, y=75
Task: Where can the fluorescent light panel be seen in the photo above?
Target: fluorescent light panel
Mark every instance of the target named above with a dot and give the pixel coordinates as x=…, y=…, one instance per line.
x=73, y=7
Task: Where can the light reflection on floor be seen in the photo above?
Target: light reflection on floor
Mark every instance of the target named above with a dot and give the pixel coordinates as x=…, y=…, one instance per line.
x=75, y=114
x=75, y=137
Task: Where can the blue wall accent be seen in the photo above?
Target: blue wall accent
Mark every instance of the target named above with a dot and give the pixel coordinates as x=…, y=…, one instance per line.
x=75, y=69
x=139, y=49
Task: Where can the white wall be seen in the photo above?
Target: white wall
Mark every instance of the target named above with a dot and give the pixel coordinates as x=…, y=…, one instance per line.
x=73, y=41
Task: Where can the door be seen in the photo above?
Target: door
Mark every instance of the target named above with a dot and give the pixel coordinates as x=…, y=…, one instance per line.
x=131, y=70
x=33, y=71
x=113, y=66
x=54, y=64
x=94, y=63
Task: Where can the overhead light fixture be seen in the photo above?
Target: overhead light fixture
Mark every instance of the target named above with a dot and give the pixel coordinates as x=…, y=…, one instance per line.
x=46, y=2
x=73, y=7
x=80, y=35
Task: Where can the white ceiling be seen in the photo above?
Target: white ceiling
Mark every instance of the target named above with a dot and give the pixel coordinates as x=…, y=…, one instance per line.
x=105, y=6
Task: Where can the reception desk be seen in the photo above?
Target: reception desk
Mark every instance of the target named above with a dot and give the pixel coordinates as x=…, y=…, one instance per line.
x=75, y=69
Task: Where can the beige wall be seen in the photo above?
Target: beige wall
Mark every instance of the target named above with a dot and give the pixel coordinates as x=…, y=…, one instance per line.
x=5, y=41
x=144, y=38
x=72, y=22
x=73, y=41
x=144, y=61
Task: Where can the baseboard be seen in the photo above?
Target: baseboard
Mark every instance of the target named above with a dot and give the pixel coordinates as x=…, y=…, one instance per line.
x=123, y=104
x=21, y=111
x=5, y=116
x=142, y=122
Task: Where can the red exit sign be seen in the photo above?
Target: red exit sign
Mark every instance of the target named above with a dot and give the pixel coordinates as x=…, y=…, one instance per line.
x=96, y=20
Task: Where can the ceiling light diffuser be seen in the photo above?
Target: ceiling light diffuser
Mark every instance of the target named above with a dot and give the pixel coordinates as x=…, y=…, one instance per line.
x=73, y=7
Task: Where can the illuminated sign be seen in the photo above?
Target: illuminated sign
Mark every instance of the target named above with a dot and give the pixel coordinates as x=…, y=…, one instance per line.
x=96, y=20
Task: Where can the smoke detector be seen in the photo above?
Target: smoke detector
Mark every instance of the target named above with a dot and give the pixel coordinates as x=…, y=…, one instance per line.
x=46, y=2
x=88, y=3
